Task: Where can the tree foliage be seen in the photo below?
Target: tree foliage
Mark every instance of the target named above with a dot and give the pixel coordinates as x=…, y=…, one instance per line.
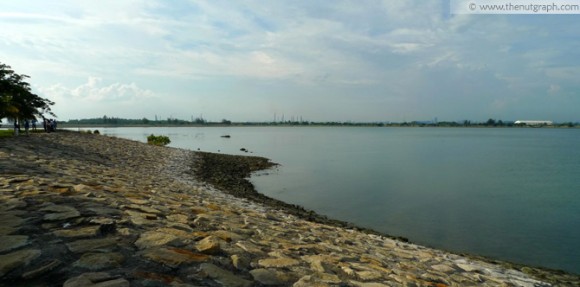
x=17, y=101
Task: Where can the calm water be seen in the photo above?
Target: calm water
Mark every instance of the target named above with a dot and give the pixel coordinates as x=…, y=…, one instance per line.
x=511, y=194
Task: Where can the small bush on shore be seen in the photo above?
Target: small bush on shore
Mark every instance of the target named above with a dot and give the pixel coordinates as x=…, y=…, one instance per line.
x=97, y=132
x=158, y=140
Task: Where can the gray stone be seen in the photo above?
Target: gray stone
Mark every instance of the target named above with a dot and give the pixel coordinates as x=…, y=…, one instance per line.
x=154, y=238
x=42, y=269
x=96, y=280
x=468, y=267
x=173, y=257
x=272, y=277
x=228, y=236
x=10, y=242
x=11, y=261
x=209, y=245
x=278, y=262
x=223, y=277
x=368, y=275
x=99, y=261
x=13, y=203
x=443, y=268
x=318, y=280
x=89, y=231
x=370, y=284
x=240, y=262
x=60, y=212
x=179, y=218
x=144, y=209
x=84, y=245
x=250, y=248
x=9, y=223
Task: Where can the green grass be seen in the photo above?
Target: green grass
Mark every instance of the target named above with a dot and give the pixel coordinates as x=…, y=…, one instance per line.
x=6, y=133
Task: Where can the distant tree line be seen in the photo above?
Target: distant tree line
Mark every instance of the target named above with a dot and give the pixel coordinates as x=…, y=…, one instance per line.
x=115, y=121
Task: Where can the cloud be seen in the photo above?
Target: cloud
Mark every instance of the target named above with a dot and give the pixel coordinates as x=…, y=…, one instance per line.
x=406, y=57
x=95, y=98
x=95, y=91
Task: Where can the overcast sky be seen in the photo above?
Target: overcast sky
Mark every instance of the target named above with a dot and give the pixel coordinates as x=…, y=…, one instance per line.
x=319, y=60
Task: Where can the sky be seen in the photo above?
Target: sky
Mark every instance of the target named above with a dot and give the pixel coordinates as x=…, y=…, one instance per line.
x=246, y=60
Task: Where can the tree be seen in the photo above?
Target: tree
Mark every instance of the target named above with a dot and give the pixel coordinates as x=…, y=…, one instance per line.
x=490, y=122
x=17, y=101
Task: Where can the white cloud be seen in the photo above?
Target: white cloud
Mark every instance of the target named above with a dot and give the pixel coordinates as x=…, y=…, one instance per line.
x=95, y=91
x=387, y=51
x=94, y=98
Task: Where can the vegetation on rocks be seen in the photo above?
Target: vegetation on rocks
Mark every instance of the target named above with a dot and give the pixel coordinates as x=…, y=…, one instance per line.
x=158, y=140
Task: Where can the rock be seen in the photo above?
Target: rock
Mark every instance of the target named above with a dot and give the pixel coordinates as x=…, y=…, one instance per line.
x=228, y=236
x=88, y=231
x=9, y=223
x=96, y=280
x=278, y=262
x=177, y=232
x=144, y=209
x=104, y=211
x=468, y=267
x=84, y=245
x=139, y=218
x=179, y=218
x=240, y=262
x=99, y=261
x=272, y=277
x=368, y=275
x=12, y=204
x=173, y=257
x=54, y=208
x=42, y=269
x=11, y=261
x=443, y=268
x=223, y=277
x=373, y=284
x=10, y=242
x=61, y=216
x=209, y=245
x=318, y=280
x=154, y=238
x=80, y=188
x=250, y=248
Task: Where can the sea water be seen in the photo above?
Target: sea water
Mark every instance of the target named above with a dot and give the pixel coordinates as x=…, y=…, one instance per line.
x=506, y=193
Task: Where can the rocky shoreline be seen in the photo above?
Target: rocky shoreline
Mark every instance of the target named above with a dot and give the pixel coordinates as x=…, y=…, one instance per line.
x=229, y=173
x=88, y=210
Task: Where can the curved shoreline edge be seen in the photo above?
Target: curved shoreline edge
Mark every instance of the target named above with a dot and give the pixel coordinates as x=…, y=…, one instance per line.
x=230, y=173
x=80, y=209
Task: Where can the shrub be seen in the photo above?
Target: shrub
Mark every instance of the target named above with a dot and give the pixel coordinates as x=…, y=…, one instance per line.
x=97, y=132
x=158, y=140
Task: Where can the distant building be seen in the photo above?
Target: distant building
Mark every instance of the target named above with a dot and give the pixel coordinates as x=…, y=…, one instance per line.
x=534, y=123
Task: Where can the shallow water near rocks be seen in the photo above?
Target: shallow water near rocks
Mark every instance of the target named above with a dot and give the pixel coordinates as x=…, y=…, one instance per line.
x=511, y=194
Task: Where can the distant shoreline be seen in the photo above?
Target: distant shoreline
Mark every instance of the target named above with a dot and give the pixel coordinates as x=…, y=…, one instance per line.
x=81, y=126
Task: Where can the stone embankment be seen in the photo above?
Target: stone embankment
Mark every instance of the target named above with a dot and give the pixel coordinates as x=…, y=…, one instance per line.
x=88, y=210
